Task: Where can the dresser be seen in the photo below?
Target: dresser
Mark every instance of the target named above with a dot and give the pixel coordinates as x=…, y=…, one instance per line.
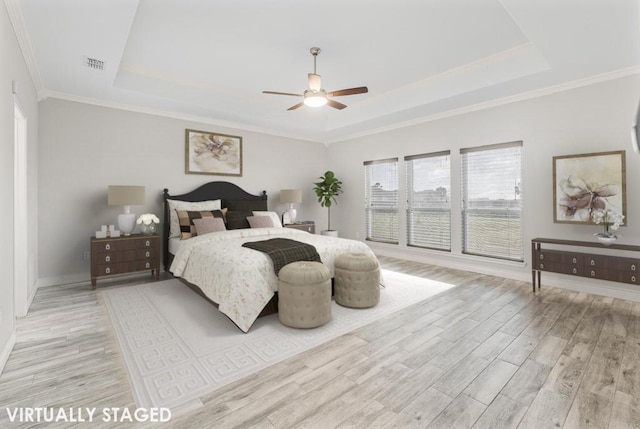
x=566, y=258
x=124, y=255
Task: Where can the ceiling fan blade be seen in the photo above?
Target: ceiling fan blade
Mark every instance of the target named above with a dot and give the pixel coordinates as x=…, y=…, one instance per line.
x=336, y=105
x=315, y=82
x=350, y=91
x=296, y=106
x=281, y=93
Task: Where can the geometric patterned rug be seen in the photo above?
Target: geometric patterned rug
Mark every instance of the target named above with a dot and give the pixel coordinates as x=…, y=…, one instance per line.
x=177, y=347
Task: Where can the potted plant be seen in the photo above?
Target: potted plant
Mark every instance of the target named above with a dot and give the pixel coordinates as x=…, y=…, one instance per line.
x=327, y=189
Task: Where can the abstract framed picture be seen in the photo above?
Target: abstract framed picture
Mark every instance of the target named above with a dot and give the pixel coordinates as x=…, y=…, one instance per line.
x=588, y=182
x=212, y=153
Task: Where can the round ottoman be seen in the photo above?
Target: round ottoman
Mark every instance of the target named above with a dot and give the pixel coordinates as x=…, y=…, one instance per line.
x=357, y=280
x=304, y=295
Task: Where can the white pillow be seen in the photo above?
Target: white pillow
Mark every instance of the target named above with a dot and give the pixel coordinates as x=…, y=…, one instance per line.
x=273, y=215
x=174, y=224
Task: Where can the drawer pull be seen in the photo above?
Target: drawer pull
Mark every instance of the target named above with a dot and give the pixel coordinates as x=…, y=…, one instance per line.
x=575, y=260
x=107, y=258
x=147, y=265
x=107, y=246
x=633, y=279
x=593, y=273
x=593, y=263
x=542, y=266
x=541, y=256
x=633, y=267
x=147, y=243
x=147, y=254
x=107, y=270
x=575, y=271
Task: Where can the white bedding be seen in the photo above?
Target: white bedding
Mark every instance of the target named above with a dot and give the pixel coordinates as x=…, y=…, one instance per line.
x=242, y=280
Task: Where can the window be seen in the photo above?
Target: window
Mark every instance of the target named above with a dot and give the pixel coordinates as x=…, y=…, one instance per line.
x=428, y=200
x=492, y=201
x=381, y=200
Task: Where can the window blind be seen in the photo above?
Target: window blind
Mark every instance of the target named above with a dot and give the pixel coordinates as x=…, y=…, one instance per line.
x=381, y=200
x=492, y=201
x=428, y=181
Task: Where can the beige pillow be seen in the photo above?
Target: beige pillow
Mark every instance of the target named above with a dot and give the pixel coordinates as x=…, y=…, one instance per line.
x=208, y=225
x=260, y=221
x=275, y=219
x=174, y=223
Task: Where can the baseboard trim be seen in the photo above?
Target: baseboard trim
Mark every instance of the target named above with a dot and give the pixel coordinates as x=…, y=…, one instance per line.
x=7, y=349
x=507, y=269
x=494, y=267
x=63, y=280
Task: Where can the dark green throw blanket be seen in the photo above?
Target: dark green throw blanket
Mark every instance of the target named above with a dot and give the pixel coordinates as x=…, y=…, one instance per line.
x=284, y=251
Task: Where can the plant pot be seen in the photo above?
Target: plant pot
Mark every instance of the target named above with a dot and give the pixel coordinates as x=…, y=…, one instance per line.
x=329, y=232
x=606, y=239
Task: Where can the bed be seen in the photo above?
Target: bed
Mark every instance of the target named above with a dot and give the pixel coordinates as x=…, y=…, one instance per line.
x=240, y=281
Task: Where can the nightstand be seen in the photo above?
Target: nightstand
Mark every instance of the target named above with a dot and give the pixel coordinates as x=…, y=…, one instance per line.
x=125, y=255
x=308, y=226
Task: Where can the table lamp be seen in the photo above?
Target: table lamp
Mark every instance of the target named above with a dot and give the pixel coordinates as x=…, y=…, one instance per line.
x=291, y=197
x=126, y=196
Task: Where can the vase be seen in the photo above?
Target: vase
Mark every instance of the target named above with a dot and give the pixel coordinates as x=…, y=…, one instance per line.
x=606, y=238
x=149, y=229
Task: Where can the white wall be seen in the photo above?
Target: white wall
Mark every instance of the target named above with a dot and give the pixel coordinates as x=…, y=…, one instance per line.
x=13, y=68
x=85, y=148
x=595, y=118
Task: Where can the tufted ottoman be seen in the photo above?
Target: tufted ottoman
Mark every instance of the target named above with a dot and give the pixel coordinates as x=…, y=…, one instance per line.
x=304, y=295
x=357, y=280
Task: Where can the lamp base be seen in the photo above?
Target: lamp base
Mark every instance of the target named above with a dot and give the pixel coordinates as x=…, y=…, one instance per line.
x=293, y=213
x=126, y=223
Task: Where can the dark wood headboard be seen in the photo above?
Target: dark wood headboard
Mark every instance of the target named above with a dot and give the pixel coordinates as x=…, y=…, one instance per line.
x=224, y=191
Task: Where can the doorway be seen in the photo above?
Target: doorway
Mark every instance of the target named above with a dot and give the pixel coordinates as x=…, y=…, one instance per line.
x=20, y=230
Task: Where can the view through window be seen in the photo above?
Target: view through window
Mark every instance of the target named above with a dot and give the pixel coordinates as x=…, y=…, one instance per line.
x=492, y=201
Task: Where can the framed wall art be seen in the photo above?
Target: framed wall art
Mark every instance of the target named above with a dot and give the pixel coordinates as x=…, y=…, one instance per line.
x=212, y=153
x=588, y=182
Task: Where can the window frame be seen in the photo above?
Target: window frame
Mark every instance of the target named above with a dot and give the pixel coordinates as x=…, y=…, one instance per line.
x=409, y=181
x=464, y=210
x=394, y=231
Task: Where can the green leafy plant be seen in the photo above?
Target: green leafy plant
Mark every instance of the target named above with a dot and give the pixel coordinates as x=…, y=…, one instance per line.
x=327, y=190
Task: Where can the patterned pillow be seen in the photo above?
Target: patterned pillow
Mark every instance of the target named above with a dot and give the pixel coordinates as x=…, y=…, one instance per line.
x=175, y=205
x=208, y=225
x=260, y=221
x=185, y=219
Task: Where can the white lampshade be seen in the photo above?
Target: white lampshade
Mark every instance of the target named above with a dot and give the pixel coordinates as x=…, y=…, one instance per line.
x=126, y=196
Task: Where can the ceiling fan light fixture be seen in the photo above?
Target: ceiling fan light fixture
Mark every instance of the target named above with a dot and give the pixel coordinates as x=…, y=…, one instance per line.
x=315, y=98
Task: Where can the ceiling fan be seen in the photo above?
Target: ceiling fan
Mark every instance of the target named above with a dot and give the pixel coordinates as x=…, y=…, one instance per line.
x=316, y=96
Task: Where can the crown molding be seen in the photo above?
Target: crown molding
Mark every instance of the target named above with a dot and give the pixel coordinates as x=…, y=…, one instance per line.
x=174, y=115
x=579, y=83
x=20, y=29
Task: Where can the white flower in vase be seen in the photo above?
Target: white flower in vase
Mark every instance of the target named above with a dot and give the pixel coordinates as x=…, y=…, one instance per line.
x=148, y=223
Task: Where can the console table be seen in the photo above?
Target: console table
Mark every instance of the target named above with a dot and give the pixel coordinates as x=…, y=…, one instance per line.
x=569, y=261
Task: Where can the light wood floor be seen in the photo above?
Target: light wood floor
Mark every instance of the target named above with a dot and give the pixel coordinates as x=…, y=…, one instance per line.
x=485, y=354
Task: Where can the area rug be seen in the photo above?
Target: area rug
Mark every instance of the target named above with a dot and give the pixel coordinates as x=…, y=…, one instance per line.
x=177, y=347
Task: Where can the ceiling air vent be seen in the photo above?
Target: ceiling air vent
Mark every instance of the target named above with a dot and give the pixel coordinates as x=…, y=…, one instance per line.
x=94, y=63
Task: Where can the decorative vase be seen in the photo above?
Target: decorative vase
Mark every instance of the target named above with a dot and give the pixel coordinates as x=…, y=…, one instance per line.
x=606, y=238
x=148, y=229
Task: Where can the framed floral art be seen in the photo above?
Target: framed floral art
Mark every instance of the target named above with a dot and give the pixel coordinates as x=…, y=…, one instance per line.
x=212, y=153
x=583, y=184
